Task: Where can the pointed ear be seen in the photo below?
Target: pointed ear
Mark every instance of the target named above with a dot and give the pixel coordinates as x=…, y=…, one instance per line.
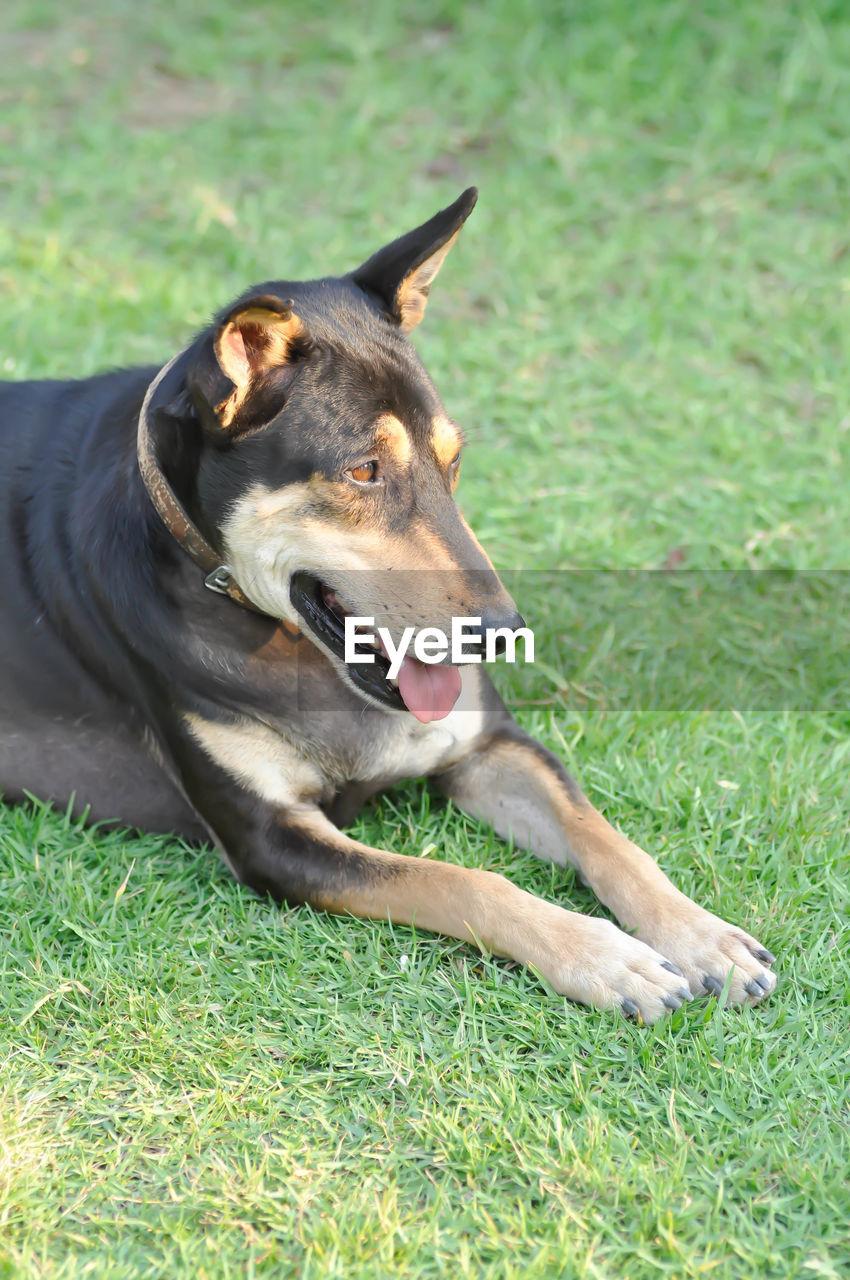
x=259, y=336
x=400, y=274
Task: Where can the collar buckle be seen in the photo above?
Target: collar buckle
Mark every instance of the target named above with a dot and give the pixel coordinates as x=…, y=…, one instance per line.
x=220, y=580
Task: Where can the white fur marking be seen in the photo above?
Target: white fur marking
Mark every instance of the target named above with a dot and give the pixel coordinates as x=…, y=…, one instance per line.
x=260, y=759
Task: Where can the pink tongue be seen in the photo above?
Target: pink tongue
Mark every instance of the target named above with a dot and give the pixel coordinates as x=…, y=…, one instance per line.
x=429, y=692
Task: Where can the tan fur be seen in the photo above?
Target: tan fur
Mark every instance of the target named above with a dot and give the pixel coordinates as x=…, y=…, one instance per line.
x=259, y=759
x=391, y=437
x=445, y=440
x=252, y=342
x=533, y=808
x=271, y=533
x=412, y=295
x=511, y=786
x=580, y=956
x=399, y=581
x=473, y=539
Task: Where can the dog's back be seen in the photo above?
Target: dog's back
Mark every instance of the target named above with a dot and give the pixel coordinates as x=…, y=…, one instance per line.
x=65, y=733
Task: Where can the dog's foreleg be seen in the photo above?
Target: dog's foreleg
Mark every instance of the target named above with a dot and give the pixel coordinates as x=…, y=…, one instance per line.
x=238, y=776
x=302, y=857
x=526, y=793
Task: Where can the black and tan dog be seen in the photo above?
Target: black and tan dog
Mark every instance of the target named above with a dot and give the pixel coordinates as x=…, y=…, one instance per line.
x=296, y=459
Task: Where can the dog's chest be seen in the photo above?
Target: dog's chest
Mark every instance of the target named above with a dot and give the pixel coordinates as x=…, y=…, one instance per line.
x=390, y=746
x=408, y=749
x=328, y=754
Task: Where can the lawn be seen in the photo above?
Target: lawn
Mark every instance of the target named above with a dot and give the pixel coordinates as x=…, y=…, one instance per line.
x=644, y=330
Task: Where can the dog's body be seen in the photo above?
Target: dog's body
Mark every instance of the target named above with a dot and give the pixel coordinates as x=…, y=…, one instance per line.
x=298, y=450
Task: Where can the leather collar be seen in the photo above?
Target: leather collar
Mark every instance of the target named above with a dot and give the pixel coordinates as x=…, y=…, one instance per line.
x=218, y=577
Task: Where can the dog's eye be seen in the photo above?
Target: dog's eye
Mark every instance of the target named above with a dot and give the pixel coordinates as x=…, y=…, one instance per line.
x=366, y=473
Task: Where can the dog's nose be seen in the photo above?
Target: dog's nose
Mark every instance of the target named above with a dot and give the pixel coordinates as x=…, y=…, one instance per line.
x=505, y=621
x=498, y=620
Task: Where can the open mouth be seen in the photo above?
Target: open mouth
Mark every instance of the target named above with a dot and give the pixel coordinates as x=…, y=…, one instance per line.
x=428, y=691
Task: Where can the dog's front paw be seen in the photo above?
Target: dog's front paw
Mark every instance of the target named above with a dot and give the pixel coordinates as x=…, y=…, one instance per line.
x=601, y=965
x=707, y=950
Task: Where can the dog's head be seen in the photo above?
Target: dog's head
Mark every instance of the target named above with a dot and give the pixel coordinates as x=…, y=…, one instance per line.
x=308, y=443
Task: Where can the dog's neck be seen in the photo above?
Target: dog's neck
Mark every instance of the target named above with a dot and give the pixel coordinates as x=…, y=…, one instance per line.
x=218, y=576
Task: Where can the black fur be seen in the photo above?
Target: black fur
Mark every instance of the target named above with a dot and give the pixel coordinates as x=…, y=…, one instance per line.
x=102, y=610
x=130, y=689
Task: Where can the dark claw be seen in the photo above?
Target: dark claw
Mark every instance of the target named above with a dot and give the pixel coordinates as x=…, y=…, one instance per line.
x=764, y=956
x=712, y=985
x=630, y=1008
x=684, y=993
x=672, y=968
x=757, y=985
x=672, y=1002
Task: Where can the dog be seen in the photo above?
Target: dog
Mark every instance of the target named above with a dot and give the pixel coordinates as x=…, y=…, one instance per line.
x=182, y=549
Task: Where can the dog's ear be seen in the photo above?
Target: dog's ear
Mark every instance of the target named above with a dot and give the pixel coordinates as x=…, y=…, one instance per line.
x=257, y=338
x=400, y=274
x=239, y=380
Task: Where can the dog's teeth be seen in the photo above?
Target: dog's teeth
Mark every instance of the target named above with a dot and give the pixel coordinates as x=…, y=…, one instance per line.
x=331, y=602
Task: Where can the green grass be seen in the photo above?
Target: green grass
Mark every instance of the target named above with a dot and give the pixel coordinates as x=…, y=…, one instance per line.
x=644, y=330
